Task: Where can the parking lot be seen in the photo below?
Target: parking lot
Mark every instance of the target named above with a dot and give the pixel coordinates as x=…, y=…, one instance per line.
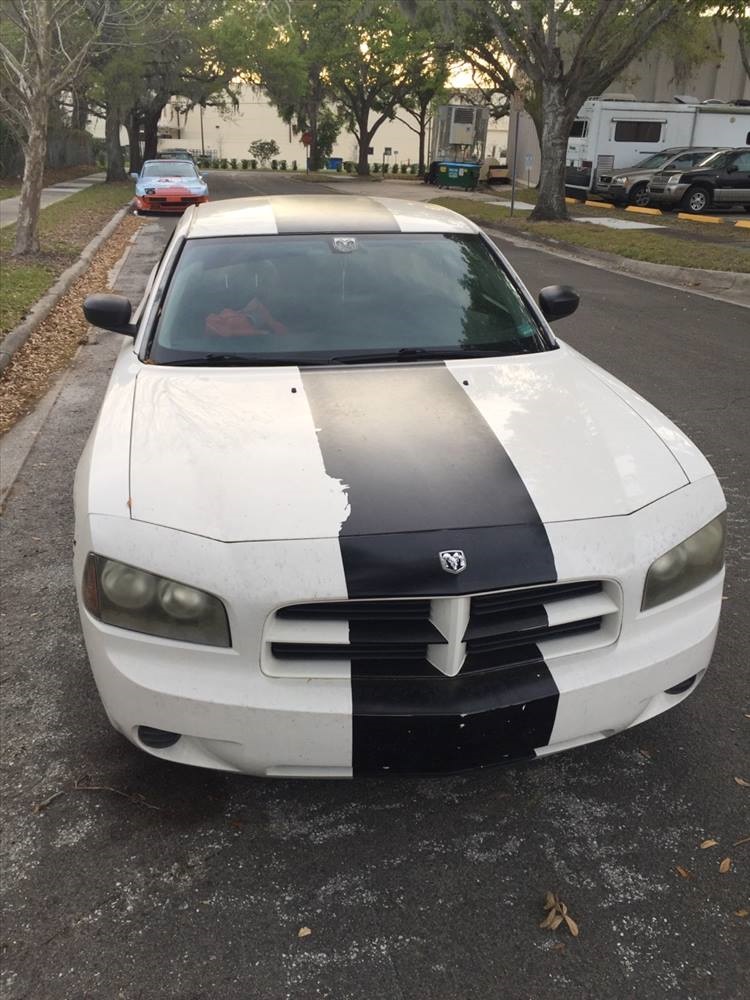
x=126, y=877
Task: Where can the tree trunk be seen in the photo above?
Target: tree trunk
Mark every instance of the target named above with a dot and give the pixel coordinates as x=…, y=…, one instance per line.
x=134, y=142
x=35, y=152
x=422, y=136
x=150, y=137
x=115, y=164
x=556, y=122
x=363, y=167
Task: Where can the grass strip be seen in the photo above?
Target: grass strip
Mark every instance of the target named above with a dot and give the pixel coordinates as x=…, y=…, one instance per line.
x=65, y=228
x=730, y=254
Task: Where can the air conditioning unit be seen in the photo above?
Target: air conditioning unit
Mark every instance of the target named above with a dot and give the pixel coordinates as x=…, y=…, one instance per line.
x=461, y=132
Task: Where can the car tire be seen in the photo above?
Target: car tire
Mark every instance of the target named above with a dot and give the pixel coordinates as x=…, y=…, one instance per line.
x=638, y=195
x=696, y=200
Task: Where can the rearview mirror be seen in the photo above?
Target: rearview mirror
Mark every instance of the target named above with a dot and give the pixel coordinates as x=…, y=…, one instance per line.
x=557, y=301
x=109, y=312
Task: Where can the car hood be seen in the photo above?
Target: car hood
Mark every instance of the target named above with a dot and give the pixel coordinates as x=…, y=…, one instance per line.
x=242, y=454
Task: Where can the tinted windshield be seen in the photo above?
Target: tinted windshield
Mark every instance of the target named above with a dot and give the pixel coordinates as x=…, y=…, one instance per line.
x=169, y=168
x=313, y=299
x=715, y=160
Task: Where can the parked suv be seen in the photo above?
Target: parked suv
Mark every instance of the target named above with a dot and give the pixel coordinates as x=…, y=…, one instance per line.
x=722, y=179
x=630, y=184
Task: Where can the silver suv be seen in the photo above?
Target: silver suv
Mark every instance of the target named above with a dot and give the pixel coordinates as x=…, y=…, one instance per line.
x=631, y=183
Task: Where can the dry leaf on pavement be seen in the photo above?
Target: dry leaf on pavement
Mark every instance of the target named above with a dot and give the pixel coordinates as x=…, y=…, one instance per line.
x=742, y=840
x=742, y=782
x=709, y=843
x=683, y=872
x=557, y=913
x=304, y=932
x=742, y=913
x=725, y=865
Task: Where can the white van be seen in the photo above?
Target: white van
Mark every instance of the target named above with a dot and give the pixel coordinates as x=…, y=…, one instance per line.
x=611, y=133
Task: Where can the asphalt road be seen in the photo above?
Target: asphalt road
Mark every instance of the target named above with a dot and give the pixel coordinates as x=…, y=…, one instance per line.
x=156, y=881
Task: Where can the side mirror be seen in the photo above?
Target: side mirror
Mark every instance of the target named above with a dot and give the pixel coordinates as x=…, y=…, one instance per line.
x=109, y=312
x=134, y=177
x=732, y=168
x=557, y=301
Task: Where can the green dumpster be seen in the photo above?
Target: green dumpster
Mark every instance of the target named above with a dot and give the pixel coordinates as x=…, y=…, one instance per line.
x=463, y=176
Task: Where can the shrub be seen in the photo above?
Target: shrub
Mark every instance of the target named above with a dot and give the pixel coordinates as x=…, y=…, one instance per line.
x=253, y=164
x=294, y=164
x=376, y=168
x=404, y=168
x=413, y=168
x=224, y=163
x=244, y=164
x=282, y=164
x=263, y=149
x=274, y=164
x=233, y=163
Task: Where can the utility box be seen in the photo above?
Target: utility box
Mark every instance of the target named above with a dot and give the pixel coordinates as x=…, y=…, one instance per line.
x=459, y=133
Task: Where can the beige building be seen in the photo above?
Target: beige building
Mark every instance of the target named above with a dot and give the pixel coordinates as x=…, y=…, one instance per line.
x=229, y=134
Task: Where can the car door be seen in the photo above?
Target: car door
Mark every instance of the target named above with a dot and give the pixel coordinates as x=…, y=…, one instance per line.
x=733, y=182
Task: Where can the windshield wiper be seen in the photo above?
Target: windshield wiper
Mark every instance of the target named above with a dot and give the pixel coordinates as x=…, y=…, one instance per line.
x=418, y=353
x=240, y=360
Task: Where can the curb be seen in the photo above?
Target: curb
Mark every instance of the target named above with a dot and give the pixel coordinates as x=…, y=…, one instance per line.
x=692, y=279
x=15, y=340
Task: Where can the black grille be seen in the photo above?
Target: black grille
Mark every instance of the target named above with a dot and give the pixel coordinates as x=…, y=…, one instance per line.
x=391, y=637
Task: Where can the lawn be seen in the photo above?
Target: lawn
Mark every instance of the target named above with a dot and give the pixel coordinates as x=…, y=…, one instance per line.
x=679, y=243
x=11, y=188
x=65, y=228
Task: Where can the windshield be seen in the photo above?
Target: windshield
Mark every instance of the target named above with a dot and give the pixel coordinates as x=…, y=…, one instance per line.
x=715, y=160
x=653, y=162
x=169, y=168
x=334, y=299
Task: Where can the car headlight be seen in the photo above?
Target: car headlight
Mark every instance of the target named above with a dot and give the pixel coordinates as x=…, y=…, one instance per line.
x=687, y=565
x=620, y=180
x=122, y=595
x=674, y=178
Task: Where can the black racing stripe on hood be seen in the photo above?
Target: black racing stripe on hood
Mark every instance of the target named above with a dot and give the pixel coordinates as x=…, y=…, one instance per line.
x=424, y=473
x=331, y=214
x=438, y=724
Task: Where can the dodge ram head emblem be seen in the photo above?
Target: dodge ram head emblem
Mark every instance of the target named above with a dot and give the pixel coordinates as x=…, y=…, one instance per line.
x=453, y=561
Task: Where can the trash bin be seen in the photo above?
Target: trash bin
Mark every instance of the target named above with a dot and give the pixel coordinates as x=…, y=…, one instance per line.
x=334, y=163
x=463, y=176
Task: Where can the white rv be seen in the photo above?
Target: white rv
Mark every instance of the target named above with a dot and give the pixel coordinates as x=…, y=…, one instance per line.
x=611, y=133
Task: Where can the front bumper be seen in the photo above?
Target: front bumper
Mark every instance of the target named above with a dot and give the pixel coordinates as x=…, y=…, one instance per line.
x=666, y=194
x=234, y=716
x=167, y=203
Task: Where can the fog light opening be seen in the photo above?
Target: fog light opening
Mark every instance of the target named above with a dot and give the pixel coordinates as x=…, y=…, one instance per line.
x=157, y=739
x=682, y=686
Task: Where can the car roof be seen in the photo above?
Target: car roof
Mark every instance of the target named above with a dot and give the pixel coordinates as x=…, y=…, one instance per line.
x=164, y=159
x=299, y=214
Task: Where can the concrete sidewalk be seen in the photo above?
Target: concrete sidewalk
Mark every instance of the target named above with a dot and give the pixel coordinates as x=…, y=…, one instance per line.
x=56, y=192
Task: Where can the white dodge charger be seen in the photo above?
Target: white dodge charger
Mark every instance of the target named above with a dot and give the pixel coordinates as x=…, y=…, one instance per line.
x=350, y=507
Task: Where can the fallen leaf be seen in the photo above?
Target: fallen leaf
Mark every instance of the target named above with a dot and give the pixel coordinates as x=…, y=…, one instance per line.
x=547, y=922
x=725, y=865
x=549, y=901
x=572, y=926
x=304, y=932
x=709, y=843
x=742, y=782
x=560, y=946
x=744, y=840
x=742, y=913
x=683, y=872
x=644, y=752
x=556, y=921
